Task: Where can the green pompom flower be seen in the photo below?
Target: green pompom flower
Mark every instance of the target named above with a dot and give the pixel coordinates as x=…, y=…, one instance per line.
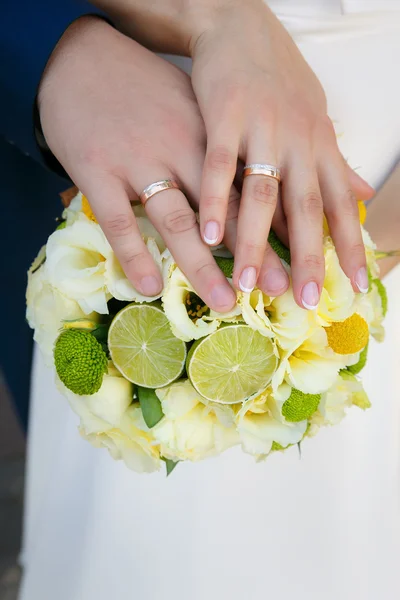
x=225, y=264
x=278, y=247
x=300, y=406
x=80, y=361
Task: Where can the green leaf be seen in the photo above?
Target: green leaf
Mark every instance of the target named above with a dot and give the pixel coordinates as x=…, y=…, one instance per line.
x=225, y=264
x=150, y=405
x=170, y=464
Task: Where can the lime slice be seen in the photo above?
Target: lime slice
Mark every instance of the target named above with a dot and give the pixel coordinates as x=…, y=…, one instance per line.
x=143, y=347
x=231, y=364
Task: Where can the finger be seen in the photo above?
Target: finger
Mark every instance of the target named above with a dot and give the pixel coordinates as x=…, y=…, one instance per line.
x=110, y=204
x=259, y=197
x=176, y=222
x=304, y=212
x=273, y=279
x=341, y=210
x=218, y=175
x=362, y=189
x=279, y=222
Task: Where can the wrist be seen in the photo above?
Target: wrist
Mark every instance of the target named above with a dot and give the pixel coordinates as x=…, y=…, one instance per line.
x=68, y=46
x=209, y=18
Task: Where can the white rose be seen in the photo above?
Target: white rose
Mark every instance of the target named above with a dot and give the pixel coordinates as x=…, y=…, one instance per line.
x=179, y=299
x=337, y=296
x=345, y=392
x=109, y=419
x=312, y=367
x=191, y=430
x=47, y=308
x=119, y=285
x=76, y=264
x=260, y=423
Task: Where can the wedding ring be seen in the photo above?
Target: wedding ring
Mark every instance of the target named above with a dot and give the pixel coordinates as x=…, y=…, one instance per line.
x=260, y=169
x=157, y=187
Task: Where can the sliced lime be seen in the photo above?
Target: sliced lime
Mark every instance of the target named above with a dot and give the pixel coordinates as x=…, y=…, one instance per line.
x=231, y=364
x=143, y=347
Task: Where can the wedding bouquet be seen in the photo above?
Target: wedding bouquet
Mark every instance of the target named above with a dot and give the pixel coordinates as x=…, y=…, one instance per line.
x=168, y=379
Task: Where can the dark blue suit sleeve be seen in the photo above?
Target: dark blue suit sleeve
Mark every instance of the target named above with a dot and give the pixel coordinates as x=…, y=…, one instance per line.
x=29, y=30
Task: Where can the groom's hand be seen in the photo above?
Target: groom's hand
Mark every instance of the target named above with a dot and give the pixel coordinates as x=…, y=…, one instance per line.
x=119, y=118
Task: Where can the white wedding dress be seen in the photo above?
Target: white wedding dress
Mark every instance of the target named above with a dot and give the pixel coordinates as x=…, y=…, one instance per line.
x=326, y=527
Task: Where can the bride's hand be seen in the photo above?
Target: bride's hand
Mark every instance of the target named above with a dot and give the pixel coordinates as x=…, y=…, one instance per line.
x=262, y=103
x=118, y=118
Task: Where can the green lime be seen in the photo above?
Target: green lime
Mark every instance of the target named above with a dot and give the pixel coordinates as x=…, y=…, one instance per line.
x=231, y=364
x=143, y=348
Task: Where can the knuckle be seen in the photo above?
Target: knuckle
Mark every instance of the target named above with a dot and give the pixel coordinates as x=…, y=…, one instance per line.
x=221, y=160
x=120, y=225
x=348, y=204
x=265, y=192
x=179, y=221
x=312, y=204
x=212, y=202
x=313, y=261
x=133, y=258
x=252, y=247
x=357, y=250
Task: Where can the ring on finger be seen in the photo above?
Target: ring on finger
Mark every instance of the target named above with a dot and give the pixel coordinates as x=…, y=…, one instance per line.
x=157, y=187
x=262, y=169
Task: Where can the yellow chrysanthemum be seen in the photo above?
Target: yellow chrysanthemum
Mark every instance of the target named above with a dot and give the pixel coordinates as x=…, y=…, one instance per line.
x=348, y=336
x=87, y=210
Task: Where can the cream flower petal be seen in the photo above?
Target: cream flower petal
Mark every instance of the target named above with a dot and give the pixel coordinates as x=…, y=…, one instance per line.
x=259, y=427
x=119, y=285
x=177, y=399
x=337, y=295
x=173, y=299
x=75, y=264
x=312, y=367
x=254, y=305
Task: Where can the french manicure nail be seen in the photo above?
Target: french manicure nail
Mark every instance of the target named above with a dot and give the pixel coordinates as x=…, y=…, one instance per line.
x=150, y=285
x=310, y=295
x=248, y=279
x=211, y=232
x=222, y=297
x=274, y=281
x=361, y=280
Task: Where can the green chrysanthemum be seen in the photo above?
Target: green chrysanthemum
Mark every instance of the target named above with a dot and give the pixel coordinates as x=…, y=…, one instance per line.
x=300, y=406
x=361, y=362
x=382, y=293
x=278, y=247
x=225, y=264
x=80, y=361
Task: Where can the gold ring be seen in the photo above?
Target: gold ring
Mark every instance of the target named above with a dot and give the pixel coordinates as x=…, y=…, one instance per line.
x=157, y=187
x=260, y=169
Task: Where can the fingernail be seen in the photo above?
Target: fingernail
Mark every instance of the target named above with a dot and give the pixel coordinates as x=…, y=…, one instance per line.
x=361, y=280
x=310, y=295
x=274, y=281
x=150, y=285
x=222, y=297
x=248, y=279
x=211, y=232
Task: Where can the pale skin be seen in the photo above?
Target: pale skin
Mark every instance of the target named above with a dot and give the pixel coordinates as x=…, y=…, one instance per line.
x=259, y=102
x=383, y=220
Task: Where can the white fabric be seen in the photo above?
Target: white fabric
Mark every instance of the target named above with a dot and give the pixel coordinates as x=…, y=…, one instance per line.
x=326, y=527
